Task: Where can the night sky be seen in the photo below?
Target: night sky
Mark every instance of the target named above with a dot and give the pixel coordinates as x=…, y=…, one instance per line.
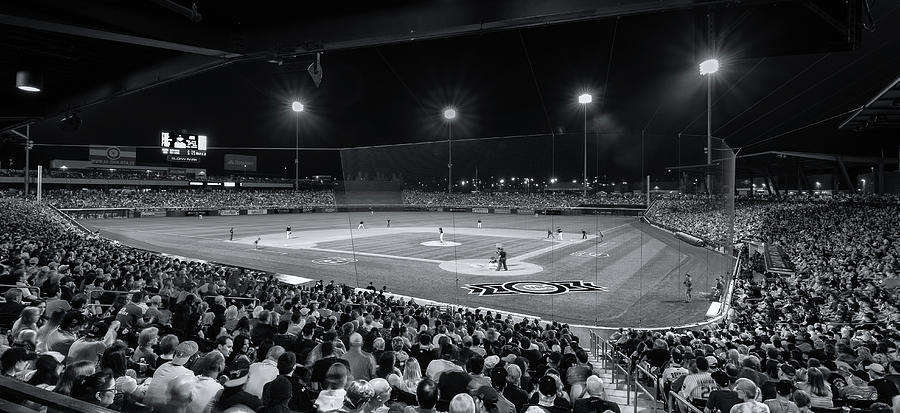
x=509, y=84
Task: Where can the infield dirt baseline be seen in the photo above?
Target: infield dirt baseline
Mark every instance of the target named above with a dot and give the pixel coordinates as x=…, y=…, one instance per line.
x=313, y=240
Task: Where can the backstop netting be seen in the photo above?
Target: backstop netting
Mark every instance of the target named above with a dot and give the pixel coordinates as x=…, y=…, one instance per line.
x=601, y=255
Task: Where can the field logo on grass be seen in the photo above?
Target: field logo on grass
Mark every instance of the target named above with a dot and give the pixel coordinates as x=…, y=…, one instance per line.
x=532, y=288
x=334, y=260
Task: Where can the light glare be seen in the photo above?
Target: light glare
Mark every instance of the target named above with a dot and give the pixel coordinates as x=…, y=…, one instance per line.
x=709, y=66
x=449, y=113
x=585, y=98
x=297, y=106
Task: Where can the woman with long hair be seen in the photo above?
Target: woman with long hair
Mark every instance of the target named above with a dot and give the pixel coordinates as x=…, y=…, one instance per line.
x=819, y=392
x=148, y=338
x=412, y=374
x=71, y=374
x=49, y=327
x=98, y=389
x=28, y=319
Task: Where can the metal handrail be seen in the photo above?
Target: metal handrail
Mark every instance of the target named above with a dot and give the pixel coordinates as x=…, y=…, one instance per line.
x=639, y=372
x=38, y=289
x=681, y=401
x=618, y=356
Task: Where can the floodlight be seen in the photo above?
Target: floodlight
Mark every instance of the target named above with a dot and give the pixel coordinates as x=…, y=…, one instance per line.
x=28, y=81
x=297, y=106
x=449, y=113
x=585, y=98
x=709, y=66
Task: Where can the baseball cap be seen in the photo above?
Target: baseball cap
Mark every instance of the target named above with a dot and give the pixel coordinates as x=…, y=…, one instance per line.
x=356, y=339
x=713, y=362
x=547, y=386
x=876, y=369
x=487, y=394
x=490, y=362
x=184, y=352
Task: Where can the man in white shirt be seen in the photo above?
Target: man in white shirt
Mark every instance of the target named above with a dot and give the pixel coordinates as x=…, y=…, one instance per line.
x=262, y=373
x=156, y=393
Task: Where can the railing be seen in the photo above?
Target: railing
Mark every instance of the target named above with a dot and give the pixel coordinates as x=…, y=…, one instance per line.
x=17, y=389
x=641, y=373
x=623, y=372
x=28, y=287
x=680, y=405
x=255, y=301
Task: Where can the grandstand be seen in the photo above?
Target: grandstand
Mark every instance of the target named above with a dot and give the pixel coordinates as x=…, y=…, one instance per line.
x=454, y=207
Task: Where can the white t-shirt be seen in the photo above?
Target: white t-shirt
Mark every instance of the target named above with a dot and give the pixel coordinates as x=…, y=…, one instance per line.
x=205, y=392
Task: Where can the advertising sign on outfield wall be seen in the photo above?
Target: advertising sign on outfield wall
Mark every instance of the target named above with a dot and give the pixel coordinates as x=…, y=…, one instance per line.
x=501, y=210
x=521, y=211
x=480, y=210
x=229, y=212
x=257, y=211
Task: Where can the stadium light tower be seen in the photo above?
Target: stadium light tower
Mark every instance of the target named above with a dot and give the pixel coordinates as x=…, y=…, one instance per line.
x=708, y=68
x=584, y=99
x=297, y=107
x=449, y=115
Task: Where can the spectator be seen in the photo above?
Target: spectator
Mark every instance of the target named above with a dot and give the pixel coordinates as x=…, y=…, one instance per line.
x=362, y=364
x=596, y=398
x=157, y=392
x=782, y=402
x=723, y=398
x=98, y=389
x=207, y=389
x=747, y=392
x=264, y=372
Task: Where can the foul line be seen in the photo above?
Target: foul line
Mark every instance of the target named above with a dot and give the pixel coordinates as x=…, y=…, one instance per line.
x=372, y=254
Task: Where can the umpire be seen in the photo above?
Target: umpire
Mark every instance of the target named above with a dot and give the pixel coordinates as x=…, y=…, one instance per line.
x=501, y=259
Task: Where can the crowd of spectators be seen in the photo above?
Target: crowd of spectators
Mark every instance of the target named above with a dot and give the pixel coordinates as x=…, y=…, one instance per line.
x=212, y=199
x=825, y=336
x=535, y=200
x=291, y=199
x=135, y=331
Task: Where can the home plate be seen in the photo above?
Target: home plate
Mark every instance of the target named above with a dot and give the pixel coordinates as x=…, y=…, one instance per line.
x=439, y=244
x=483, y=267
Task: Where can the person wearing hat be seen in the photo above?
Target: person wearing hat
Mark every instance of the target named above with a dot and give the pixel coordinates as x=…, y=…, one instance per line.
x=858, y=387
x=723, y=398
x=512, y=391
x=548, y=396
x=886, y=389
x=489, y=400
x=156, y=394
x=595, y=401
x=746, y=390
x=362, y=364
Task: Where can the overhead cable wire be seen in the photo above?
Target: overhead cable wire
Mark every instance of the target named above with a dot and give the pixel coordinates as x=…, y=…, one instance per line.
x=800, y=128
x=814, y=85
x=782, y=85
x=399, y=79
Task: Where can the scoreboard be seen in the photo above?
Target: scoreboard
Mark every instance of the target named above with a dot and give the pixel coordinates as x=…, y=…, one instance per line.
x=183, y=144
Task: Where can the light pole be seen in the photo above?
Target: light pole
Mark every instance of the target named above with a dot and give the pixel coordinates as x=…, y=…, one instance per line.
x=584, y=99
x=449, y=115
x=297, y=107
x=708, y=68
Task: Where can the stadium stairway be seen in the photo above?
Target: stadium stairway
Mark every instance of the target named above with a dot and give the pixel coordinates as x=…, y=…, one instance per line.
x=620, y=386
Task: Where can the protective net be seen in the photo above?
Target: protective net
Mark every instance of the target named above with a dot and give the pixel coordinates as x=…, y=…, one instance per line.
x=427, y=230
